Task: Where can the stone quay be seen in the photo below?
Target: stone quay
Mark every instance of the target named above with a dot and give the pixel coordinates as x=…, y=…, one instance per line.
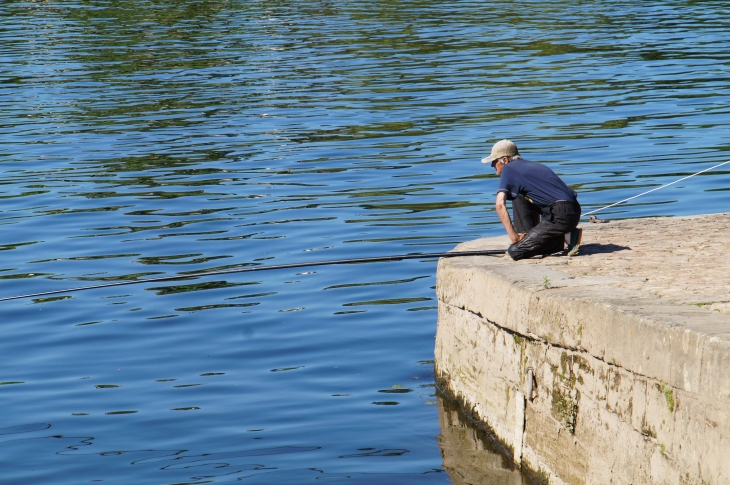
x=610, y=367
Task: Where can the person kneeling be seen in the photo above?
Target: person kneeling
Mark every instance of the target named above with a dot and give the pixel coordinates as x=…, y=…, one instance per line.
x=546, y=211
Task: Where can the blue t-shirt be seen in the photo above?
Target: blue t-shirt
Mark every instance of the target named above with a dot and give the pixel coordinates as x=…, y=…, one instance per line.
x=535, y=181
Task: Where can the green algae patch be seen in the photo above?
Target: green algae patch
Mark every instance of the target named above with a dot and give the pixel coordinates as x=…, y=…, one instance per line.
x=669, y=397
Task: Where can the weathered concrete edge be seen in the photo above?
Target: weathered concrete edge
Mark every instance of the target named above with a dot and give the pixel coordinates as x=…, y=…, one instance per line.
x=679, y=342
x=659, y=444
x=630, y=329
x=445, y=387
x=541, y=473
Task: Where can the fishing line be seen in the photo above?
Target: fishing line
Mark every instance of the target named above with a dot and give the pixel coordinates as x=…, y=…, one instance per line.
x=374, y=259
x=488, y=252
x=656, y=188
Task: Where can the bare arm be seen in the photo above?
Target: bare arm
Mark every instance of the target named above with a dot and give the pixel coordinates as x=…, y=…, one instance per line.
x=504, y=217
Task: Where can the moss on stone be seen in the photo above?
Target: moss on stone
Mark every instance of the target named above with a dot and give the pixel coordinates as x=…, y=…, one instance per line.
x=669, y=396
x=565, y=406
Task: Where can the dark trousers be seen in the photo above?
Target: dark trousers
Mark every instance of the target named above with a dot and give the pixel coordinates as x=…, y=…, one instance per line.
x=546, y=234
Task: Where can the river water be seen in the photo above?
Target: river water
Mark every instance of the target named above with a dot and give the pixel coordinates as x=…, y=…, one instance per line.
x=148, y=138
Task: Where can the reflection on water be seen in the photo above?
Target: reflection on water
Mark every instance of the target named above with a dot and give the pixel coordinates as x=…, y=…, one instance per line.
x=149, y=137
x=468, y=455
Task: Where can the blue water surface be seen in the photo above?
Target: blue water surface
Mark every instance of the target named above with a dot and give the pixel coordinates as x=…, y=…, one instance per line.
x=150, y=138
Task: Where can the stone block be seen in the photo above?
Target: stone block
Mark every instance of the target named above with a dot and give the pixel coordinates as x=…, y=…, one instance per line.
x=630, y=360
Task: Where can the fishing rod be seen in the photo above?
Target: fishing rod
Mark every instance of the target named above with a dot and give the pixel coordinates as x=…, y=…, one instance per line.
x=489, y=252
x=374, y=259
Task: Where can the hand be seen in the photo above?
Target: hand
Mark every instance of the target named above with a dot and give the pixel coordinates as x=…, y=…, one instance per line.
x=520, y=237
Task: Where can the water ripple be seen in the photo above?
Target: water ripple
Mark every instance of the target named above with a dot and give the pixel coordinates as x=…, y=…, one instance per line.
x=158, y=138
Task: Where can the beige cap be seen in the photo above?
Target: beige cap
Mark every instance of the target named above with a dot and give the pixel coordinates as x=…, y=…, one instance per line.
x=503, y=148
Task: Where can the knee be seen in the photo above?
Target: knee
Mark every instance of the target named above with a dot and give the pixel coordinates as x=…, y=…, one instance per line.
x=516, y=253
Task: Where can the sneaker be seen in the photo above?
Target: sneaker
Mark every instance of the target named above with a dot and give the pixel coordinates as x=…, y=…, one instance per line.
x=574, y=245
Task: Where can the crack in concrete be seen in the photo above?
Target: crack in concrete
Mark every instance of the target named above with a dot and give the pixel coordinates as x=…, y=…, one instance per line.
x=536, y=338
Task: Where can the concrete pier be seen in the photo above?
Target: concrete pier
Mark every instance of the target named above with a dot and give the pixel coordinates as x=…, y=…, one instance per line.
x=611, y=367
x=469, y=457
